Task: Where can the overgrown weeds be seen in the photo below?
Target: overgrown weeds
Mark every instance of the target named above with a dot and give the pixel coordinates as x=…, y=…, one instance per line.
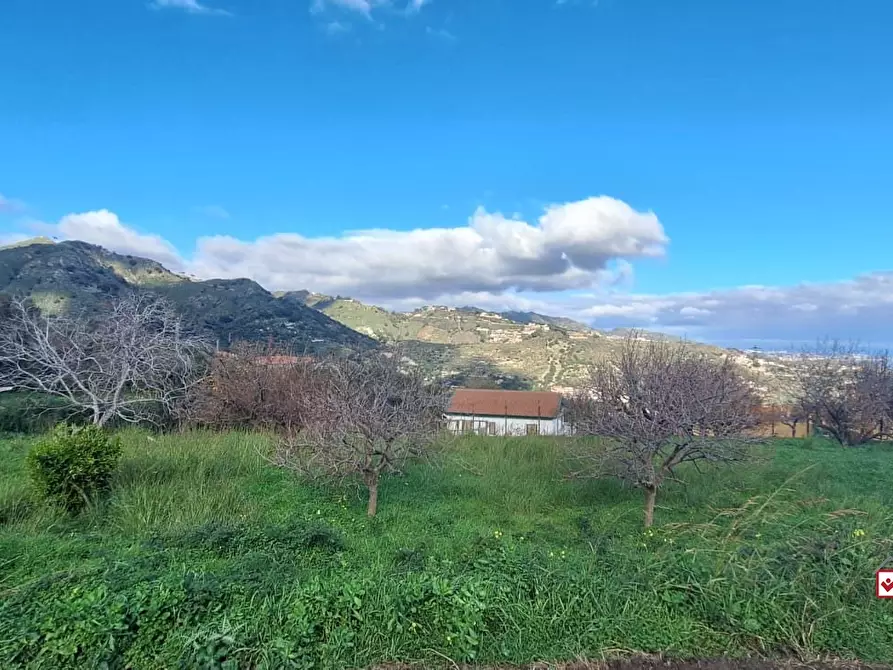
x=205, y=556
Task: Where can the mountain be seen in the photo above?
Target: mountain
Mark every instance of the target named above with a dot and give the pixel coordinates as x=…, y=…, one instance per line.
x=476, y=347
x=77, y=275
x=558, y=321
x=471, y=346
x=514, y=349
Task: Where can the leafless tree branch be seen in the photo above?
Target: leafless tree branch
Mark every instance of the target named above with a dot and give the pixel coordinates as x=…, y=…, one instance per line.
x=657, y=405
x=131, y=363
x=847, y=392
x=368, y=416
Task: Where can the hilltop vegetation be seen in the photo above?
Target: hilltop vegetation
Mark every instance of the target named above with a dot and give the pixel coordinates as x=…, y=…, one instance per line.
x=207, y=556
x=77, y=275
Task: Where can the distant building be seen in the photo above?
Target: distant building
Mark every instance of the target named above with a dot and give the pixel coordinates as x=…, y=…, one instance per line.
x=498, y=412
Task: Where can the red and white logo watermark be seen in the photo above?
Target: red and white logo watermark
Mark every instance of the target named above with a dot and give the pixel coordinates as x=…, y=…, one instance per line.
x=883, y=580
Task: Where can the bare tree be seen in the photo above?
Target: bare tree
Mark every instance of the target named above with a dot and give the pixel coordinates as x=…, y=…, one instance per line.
x=660, y=404
x=132, y=362
x=792, y=416
x=368, y=416
x=848, y=393
x=254, y=386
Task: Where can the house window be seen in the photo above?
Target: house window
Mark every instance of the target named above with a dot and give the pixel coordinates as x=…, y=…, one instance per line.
x=533, y=429
x=467, y=426
x=491, y=428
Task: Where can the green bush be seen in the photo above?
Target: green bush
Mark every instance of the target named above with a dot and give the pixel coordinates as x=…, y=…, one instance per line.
x=74, y=465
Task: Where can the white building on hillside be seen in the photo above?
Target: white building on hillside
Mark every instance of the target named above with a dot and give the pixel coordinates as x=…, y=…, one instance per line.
x=498, y=412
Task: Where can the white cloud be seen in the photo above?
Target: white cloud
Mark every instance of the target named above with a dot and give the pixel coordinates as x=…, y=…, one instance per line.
x=572, y=246
x=103, y=227
x=190, y=6
x=415, y=6
x=572, y=261
x=860, y=308
x=569, y=247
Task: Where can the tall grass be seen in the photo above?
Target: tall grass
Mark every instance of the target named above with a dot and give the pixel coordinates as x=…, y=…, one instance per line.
x=206, y=555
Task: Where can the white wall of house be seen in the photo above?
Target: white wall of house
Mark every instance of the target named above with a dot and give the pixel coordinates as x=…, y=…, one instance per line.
x=501, y=425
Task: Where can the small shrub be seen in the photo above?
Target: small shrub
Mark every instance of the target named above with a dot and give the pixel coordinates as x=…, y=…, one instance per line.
x=74, y=465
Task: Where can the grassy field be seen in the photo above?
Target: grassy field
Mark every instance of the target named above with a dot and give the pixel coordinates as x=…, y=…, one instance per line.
x=206, y=556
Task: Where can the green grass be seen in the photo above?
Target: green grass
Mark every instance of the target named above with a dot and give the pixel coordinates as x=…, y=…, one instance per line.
x=207, y=556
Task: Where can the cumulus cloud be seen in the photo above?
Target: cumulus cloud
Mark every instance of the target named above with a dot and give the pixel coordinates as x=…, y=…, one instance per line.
x=574, y=260
x=190, y=6
x=103, y=227
x=569, y=247
x=575, y=245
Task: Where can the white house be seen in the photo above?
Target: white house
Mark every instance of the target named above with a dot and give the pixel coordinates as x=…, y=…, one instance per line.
x=498, y=412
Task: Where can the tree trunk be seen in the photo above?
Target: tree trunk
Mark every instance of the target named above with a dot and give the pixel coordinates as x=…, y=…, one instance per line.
x=372, y=485
x=650, y=497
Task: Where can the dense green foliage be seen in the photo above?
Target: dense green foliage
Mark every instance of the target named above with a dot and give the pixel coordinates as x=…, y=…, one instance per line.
x=73, y=466
x=206, y=556
x=35, y=412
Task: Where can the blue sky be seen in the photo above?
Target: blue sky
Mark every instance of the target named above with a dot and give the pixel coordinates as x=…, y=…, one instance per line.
x=247, y=136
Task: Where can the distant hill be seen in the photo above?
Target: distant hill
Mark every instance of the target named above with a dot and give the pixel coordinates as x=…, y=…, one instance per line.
x=514, y=349
x=558, y=321
x=477, y=347
x=77, y=275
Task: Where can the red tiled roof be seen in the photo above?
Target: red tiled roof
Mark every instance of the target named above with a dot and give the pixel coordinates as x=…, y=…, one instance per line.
x=528, y=404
